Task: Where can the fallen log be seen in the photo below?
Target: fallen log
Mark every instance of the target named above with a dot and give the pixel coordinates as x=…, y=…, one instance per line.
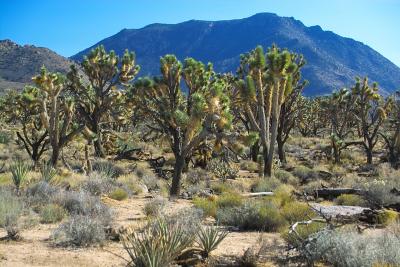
x=331, y=193
x=258, y=194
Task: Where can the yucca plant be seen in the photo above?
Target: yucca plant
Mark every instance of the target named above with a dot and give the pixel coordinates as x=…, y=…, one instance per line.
x=158, y=245
x=19, y=171
x=48, y=172
x=208, y=239
x=107, y=169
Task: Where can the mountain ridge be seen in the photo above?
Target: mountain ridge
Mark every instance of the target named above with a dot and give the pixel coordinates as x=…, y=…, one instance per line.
x=333, y=61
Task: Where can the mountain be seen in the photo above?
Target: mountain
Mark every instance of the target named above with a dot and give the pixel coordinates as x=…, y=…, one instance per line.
x=18, y=64
x=333, y=60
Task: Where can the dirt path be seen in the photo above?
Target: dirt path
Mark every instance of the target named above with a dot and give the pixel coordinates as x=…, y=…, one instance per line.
x=37, y=250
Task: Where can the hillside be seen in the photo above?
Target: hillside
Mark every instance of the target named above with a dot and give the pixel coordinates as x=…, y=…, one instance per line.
x=333, y=61
x=19, y=63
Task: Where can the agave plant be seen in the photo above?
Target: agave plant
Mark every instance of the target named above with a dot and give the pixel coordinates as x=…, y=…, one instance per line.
x=19, y=171
x=158, y=245
x=48, y=172
x=208, y=239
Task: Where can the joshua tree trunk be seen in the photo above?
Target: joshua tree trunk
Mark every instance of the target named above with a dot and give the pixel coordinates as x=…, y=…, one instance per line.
x=254, y=150
x=176, y=180
x=281, y=149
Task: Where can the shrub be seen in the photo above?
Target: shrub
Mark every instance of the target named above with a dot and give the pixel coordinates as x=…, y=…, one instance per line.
x=80, y=203
x=249, y=165
x=81, y=231
x=348, y=248
x=208, y=206
x=197, y=175
x=304, y=173
x=158, y=245
x=387, y=217
x=52, y=213
x=107, y=168
x=303, y=231
x=151, y=182
x=132, y=183
x=19, y=171
x=119, y=194
x=208, y=239
x=286, y=177
x=350, y=200
x=222, y=169
x=155, y=207
x=219, y=188
x=282, y=195
x=41, y=194
x=5, y=137
x=229, y=200
x=252, y=216
x=48, y=172
x=11, y=208
x=297, y=211
x=265, y=185
x=98, y=186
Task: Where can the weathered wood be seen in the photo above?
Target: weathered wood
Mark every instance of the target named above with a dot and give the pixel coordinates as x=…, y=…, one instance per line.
x=258, y=194
x=339, y=211
x=335, y=192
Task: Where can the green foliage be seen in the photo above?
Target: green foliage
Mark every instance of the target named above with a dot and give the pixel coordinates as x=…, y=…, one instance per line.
x=220, y=188
x=222, y=169
x=350, y=200
x=5, y=137
x=107, y=169
x=19, y=171
x=297, y=211
x=265, y=185
x=302, y=233
x=209, y=238
x=48, y=172
x=208, y=206
x=118, y=194
x=158, y=245
x=304, y=173
x=249, y=165
x=286, y=177
x=52, y=213
x=387, y=217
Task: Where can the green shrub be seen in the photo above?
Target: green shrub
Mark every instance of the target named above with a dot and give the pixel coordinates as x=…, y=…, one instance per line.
x=387, y=217
x=208, y=206
x=107, y=169
x=219, y=188
x=304, y=173
x=119, y=194
x=229, y=200
x=52, y=213
x=265, y=185
x=303, y=231
x=158, y=245
x=282, y=195
x=297, y=211
x=208, y=239
x=252, y=216
x=11, y=208
x=155, y=207
x=19, y=171
x=286, y=177
x=5, y=137
x=48, y=172
x=350, y=200
x=249, y=165
x=197, y=175
x=222, y=169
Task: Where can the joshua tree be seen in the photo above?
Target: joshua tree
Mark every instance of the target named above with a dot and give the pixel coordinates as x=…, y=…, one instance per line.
x=340, y=106
x=267, y=83
x=97, y=93
x=371, y=111
x=313, y=119
x=186, y=119
x=24, y=111
x=391, y=133
x=290, y=110
x=56, y=111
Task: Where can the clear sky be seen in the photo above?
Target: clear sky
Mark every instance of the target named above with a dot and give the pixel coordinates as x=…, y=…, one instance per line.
x=70, y=26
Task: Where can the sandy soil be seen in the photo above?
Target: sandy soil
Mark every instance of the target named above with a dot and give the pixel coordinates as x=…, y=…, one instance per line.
x=36, y=249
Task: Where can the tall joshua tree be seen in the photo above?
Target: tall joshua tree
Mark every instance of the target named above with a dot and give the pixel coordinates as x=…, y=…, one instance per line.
x=268, y=82
x=97, y=93
x=186, y=119
x=371, y=111
x=391, y=133
x=56, y=111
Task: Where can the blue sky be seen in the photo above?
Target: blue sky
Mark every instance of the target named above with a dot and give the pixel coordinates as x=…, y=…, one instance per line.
x=69, y=26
